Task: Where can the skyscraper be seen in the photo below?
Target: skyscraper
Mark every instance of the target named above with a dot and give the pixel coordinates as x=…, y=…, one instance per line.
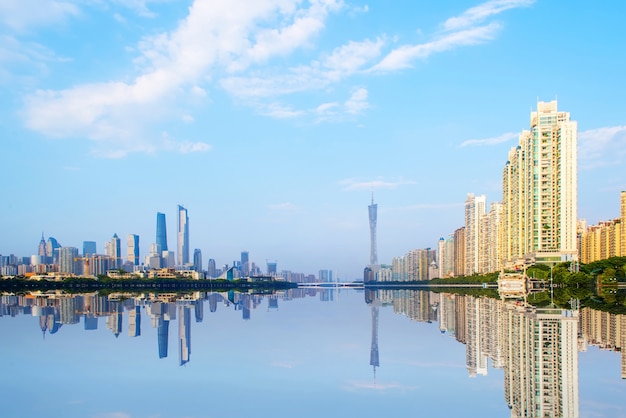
x=42, y=247
x=161, y=231
x=197, y=259
x=211, y=268
x=539, y=190
x=132, y=253
x=89, y=248
x=183, y=236
x=245, y=264
x=113, y=250
x=373, y=209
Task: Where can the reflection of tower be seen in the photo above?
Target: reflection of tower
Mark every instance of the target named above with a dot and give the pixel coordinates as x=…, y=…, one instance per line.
x=183, y=236
x=374, y=360
x=161, y=232
x=373, y=209
x=184, y=334
x=163, y=332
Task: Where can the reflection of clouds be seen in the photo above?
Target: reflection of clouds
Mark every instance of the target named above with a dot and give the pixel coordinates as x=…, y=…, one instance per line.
x=593, y=409
x=113, y=415
x=283, y=364
x=367, y=385
x=434, y=364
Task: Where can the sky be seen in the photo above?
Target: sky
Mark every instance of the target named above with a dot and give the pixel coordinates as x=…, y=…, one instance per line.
x=274, y=121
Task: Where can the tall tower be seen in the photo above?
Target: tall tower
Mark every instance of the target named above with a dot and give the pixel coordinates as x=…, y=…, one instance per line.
x=161, y=231
x=183, y=236
x=539, y=186
x=373, y=209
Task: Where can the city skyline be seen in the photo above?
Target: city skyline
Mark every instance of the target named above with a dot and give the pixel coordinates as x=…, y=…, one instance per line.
x=273, y=136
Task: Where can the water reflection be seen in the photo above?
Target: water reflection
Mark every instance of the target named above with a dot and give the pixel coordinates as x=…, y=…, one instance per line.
x=536, y=348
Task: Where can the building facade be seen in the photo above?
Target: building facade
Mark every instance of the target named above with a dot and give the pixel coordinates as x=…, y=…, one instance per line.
x=539, y=187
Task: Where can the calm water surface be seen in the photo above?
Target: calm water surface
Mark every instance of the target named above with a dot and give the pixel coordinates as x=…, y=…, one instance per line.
x=307, y=353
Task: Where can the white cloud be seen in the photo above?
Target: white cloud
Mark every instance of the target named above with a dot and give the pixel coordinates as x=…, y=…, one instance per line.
x=480, y=13
x=357, y=185
x=357, y=103
x=22, y=15
x=602, y=147
x=230, y=44
x=491, y=141
x=211, y=36
x=404, y=56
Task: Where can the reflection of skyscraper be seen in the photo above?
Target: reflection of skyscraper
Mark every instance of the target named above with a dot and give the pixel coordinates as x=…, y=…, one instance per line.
x=161, y=232
x=162, y=336
x=183, y=236
x=134, y=322
x=184, y=334
x=541, y=377
x=373, y=209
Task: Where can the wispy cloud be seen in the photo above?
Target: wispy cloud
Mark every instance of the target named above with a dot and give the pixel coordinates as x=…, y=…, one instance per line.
x=490, y=141
x=22, y=15
x=602, y=147
x=480, y=13
x=283, y=207
x=404, y=56
x=357, y=185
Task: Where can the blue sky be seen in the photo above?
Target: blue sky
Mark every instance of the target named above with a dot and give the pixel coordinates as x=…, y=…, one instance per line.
x=271, y=121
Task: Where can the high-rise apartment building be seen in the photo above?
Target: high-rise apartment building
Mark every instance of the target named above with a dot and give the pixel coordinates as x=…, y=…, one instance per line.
x=623, y=220
x=475, y=207
x=132, y=253
x=445, y=256
x=161, y=231
x=459, y=251
x=373, y=209
x=67, y=260
x=183, y=236
x=539, y=188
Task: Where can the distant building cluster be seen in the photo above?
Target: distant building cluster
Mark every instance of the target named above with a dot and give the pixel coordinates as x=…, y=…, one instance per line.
x=57, y=261
x=535, y=222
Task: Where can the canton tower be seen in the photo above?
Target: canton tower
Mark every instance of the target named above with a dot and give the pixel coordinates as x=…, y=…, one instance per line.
x=373, y=208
